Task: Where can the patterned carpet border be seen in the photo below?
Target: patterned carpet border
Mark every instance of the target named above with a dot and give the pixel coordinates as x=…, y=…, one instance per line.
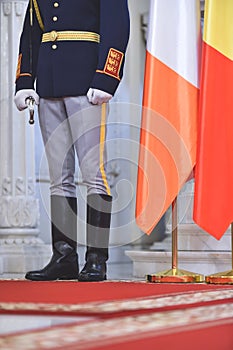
x=117, y=330
x=119, y=306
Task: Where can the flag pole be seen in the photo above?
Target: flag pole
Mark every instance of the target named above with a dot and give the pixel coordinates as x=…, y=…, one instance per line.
x=175, y=275
x=223, y=277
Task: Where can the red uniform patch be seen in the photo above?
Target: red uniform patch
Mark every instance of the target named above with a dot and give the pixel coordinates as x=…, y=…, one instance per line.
x=113, y=63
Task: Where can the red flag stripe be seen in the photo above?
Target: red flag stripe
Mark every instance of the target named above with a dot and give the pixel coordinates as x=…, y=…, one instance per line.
x=168, y=139
x=213, y=197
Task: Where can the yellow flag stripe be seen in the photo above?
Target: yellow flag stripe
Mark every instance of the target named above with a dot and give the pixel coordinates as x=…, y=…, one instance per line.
x=102, y=143
x=218, y=26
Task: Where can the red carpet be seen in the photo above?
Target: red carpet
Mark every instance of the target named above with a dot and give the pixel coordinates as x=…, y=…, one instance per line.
x=126, y=315
x=74, y=292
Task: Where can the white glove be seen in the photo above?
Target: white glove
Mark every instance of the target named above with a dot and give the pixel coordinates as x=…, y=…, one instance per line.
x=98, y=97
x=22, y=95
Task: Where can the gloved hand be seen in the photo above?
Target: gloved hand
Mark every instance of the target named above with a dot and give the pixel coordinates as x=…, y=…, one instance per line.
x=22, y=95
x=98, y=97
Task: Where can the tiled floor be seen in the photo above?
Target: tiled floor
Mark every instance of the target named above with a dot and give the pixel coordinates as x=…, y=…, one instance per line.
x=16, y=323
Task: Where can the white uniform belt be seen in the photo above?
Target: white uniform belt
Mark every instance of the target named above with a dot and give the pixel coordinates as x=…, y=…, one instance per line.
x=70, y=35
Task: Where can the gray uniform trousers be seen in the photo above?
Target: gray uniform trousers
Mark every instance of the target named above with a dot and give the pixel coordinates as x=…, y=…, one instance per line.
x=72, y=124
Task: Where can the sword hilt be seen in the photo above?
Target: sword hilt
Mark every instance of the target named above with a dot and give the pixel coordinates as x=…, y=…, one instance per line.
x=30, y=102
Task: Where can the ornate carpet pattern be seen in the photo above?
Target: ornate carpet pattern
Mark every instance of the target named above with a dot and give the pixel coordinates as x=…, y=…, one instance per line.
x=121, y=315
x=119, y=306
x=107, y=332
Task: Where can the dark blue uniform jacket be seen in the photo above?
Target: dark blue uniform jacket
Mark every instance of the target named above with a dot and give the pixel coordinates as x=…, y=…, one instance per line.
x=70, y=67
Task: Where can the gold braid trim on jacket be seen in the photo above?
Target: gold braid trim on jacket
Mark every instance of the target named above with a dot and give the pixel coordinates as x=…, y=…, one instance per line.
x=38, y=16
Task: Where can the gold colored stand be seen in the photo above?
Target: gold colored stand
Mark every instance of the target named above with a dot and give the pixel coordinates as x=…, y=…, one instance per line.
x=223, y=277
x=175, y=275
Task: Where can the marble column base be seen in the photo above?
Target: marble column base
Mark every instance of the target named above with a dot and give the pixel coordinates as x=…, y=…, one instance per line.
x=22, y=254
x=201, y=262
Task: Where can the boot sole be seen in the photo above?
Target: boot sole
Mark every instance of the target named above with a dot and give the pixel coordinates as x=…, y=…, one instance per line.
x=92, y=279
x=65, y=278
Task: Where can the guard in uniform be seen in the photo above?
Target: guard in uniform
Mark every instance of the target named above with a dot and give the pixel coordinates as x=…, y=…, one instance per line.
x=71, y=59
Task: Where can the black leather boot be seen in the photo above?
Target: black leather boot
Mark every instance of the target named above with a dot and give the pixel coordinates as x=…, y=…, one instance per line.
x=98, y=227
x=64, y=262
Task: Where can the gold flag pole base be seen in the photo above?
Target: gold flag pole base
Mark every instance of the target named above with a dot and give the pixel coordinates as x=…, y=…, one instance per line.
x=223, y=277
x=175, y=276
x=220, y=278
